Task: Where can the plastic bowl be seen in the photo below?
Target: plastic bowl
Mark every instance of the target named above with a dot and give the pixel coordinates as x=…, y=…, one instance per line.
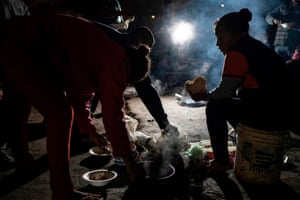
x=99, y=177
x=95, y=151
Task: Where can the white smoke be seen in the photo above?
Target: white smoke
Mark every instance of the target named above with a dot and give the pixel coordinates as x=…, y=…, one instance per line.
x=202, y=49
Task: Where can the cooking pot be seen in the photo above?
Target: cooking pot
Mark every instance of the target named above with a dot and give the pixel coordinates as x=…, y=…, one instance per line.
x=166, y=180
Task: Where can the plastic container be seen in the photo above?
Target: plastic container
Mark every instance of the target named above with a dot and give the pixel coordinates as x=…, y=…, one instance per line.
x=259, y=155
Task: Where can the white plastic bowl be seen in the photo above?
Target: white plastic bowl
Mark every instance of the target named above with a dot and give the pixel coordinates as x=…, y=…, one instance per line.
x=94, y=151
x=99, y=177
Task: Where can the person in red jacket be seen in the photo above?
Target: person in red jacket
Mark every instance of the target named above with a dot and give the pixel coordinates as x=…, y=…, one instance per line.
x=109, y=16
x=59, y=54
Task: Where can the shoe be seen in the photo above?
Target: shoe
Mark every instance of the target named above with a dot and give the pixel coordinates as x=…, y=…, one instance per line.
x=232, y=136
x=215, y=166
x=170, y=131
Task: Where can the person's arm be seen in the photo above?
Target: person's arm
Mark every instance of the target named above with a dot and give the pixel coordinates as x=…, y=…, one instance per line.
x=112, y=83
x=152, y=101
x=80, y=103
x=113, y=103
x=226, y=90
x=235, y=69
x=86, y=126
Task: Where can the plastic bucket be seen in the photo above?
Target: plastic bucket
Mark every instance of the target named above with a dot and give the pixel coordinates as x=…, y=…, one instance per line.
x=259, y=155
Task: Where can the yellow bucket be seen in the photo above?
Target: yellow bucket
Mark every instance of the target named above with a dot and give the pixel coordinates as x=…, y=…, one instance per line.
x=259, y=155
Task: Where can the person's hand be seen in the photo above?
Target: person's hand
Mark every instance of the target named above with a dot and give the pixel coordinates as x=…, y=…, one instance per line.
x=101, y=142
x=200, y=96
x=277, y=21
x=123, y=26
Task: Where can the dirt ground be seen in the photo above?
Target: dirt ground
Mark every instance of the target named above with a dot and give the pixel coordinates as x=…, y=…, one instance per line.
x=190, y=120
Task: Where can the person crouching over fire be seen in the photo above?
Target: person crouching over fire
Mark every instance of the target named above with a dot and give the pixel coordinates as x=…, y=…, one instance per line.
x=46, y=57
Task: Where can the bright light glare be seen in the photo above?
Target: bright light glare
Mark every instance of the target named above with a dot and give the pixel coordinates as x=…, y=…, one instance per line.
x=182, y=33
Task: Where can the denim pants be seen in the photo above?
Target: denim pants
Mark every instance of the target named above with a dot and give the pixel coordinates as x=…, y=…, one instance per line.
x=284, y=52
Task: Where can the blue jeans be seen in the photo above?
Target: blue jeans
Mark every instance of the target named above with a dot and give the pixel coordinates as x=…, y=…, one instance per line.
x=284, y=51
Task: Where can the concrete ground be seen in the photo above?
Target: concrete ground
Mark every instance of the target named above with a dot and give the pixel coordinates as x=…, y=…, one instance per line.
x=192, y=125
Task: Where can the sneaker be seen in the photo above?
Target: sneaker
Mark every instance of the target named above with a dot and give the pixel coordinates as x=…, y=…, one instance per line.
x=232, y=136
x=170, y=131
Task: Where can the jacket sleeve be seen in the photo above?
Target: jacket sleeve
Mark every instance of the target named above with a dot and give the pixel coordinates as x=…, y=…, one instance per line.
x=234, y=71
x=113, y=110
